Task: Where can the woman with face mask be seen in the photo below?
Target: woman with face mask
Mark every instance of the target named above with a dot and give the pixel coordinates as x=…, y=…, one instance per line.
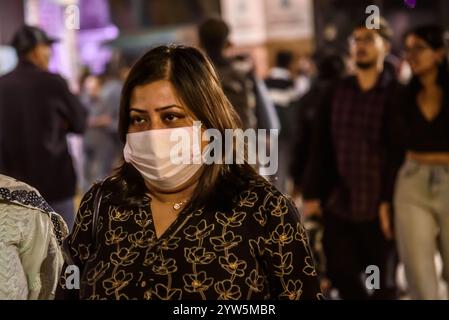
x=176, y=228
x=418, y=178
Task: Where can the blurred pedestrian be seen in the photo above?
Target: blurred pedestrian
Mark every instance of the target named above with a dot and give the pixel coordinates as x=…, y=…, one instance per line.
x=418, y=175
x=214, y=39
x=331, y=69
x=100, y=142
x=284, y=94
x=260, y=101
x=37, y=110
x=346, y=165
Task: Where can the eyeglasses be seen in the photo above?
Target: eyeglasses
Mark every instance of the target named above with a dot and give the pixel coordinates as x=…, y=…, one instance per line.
x=363, y=40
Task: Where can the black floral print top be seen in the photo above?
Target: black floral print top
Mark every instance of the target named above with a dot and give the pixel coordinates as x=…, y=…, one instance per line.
x=256, y=250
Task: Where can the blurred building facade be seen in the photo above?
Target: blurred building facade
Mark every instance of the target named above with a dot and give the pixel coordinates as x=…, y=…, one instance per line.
x=260, y=28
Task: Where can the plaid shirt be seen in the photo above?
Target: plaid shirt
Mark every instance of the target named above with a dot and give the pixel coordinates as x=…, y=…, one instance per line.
x=347, y=162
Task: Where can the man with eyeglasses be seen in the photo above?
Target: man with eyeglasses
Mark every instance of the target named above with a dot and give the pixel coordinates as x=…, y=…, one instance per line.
x=343, y=179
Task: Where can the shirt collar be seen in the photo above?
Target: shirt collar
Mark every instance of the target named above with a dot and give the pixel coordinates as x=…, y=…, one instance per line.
x=385, y=79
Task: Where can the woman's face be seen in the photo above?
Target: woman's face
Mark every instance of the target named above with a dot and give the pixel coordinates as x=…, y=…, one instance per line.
x=156, y=106
x=421, y=57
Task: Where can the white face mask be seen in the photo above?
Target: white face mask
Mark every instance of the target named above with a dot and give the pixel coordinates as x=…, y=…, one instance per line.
x=157, y=155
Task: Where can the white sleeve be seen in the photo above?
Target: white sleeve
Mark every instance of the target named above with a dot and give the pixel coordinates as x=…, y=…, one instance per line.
x=51, y=269
x=34, y=250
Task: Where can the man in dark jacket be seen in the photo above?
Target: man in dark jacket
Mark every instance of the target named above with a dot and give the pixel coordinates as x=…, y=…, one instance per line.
x=37, y=110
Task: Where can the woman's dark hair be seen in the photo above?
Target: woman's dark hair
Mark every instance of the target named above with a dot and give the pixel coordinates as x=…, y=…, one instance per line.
x=197, y=85
x=433, y=36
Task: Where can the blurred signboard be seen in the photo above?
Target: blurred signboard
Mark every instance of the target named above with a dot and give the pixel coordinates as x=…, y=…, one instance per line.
x=246, y=19
x=289, y=19
x=256, y=21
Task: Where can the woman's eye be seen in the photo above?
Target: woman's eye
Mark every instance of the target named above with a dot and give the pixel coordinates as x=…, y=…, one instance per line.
x=169, y=117
x=137, y=120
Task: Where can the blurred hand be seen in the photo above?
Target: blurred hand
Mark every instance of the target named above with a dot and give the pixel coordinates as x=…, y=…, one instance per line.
x=385, y=221
x=312, y=208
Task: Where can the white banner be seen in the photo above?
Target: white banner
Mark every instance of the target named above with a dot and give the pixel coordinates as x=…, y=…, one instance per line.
x=289, y=19
x=246, y=19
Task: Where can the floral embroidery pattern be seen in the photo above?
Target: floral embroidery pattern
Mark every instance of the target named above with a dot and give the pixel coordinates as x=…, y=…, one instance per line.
x=227, y=290
x=197, y=282
x=256, y=249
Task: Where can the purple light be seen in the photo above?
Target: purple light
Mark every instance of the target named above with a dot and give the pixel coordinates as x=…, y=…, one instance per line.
x=410, y=3
x=96, y=28
x=92, y=51
x=94, y=14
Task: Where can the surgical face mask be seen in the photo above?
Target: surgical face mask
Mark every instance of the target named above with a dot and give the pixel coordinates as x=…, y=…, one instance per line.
x=166, y=158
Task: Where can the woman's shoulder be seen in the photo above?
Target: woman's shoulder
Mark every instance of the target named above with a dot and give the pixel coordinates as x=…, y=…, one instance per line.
x=265, y=198
x=17, y=192
x=262, y=186
x=22, y=204
x=105, y=187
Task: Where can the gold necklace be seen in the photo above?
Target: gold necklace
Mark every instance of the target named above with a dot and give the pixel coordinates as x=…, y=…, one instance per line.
x=177, y=205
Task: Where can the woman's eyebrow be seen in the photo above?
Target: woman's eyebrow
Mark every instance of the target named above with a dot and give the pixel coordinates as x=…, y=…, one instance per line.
x=157, y=109
x=169, y=107
x=138, y=110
